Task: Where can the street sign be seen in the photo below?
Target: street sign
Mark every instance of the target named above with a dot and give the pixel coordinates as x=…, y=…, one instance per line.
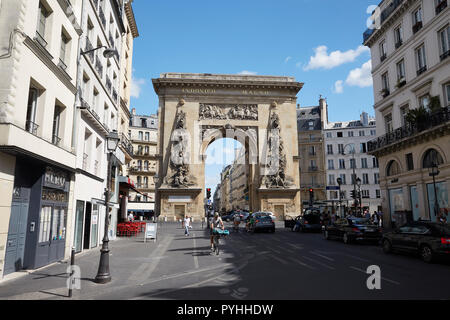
x=209, y=201
x=332, y=187
x=150, y=231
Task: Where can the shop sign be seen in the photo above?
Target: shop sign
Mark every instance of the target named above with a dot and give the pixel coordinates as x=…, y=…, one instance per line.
x=55, y=178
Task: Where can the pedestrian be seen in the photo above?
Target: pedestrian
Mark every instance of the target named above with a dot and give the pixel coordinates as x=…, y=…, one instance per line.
x=130, y=217
x=186, y=225
x=367, y=214
x=375, y=218
x=216, y=222
x=380, y=219
x=237, y=221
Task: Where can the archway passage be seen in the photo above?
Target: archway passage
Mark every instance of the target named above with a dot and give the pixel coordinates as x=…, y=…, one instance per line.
x=258, y=111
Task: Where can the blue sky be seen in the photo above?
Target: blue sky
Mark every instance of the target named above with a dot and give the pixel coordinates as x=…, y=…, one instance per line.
x=319, y=42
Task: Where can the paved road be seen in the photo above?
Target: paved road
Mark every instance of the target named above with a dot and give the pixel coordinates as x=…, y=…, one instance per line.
x=283, y=265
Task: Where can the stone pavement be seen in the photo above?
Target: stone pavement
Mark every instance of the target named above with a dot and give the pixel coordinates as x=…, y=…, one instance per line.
x=131, y=261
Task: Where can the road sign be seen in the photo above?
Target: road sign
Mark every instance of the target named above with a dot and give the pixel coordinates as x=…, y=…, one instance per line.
x=150, y=231
x=209, y=201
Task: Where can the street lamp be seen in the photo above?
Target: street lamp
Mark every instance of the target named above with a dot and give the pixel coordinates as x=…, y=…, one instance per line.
x=103, y=275
x=339, y=181
x=434, y=171
x=354, y=166
x=358, y=183
x=108, y=53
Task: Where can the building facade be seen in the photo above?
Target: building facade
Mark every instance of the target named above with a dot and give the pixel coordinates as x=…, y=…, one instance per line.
x=143, y=133
x=346, y=158
x=239, y=182
x=310, y=123
x=411, y=75
x=37, y=155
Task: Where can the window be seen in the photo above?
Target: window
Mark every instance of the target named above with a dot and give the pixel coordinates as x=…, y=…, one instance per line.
x=375, y=162
x=63, y=51
x=403, y=113
x=400, y=71
x=43, y=13
x=424, y=101
x=383, y=52
x=350, y=133
x=447, y=93
x=330, y=164
x=378, y=192
x=388, y=123
x=365, y=178
x=56, y=122
x=341, y=148
x=364, y=163
x=432, y=157
x=352, y=163
x=421, y=61
x=409, y=162
x=376, y=178
x=340, y=135
x=440, y=5
x=343, y=178
x=147, y=136
x=398, y=35
x=330, y=149
x=444, y=40
x=141, y=135
x=329, y=135
x=363, y=148
x=392, y=168
x=365, y=194
x=333, y=194
x=331, y=180
x=417, y=20
x=313, y=165
x=30, y=124
x=373, y=132
x=385, y=84
x=147, y=150
x=44, y=224
x=341, y=164
x=312, y=150
x=362, y=133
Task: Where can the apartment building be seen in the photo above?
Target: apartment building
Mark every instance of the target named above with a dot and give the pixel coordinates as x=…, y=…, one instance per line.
x=310, y=123
x=410, y=48
x=225, y=189
x=347, y=159
x=97, y=115
x=143, y=133
x=38, y=64
x=239, y=196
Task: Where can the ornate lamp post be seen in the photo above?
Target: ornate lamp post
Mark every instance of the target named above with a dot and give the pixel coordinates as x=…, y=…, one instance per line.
x=108, y=53
x=339, y=181
x=103, y=275
x=434, y=171
x=358, y=183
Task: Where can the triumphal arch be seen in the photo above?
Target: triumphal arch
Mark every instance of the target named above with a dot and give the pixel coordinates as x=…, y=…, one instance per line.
x=258, y=111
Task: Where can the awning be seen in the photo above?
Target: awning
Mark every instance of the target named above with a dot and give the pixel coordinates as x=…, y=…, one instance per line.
x=128, y=183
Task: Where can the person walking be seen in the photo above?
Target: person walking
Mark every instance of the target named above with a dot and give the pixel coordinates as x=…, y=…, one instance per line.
x=187, y=223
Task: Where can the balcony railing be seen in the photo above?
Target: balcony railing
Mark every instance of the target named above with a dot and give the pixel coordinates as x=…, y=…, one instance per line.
x=385, y=14
x=126, y=144
x=441, y=6
x=417, y=26
x=56, y=140
x=445, y=55
x=90, y=47
x=385, y=92
x=410, y=130
x=421, y=70
x=383, y=57
x=31, y=127
x=398, y=44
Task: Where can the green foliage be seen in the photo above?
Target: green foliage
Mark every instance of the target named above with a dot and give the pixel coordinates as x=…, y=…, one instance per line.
x=416, y=116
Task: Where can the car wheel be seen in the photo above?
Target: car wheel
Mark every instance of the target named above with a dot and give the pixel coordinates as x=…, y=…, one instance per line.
x=387, y=247
x=327, y=236
x=426, y=253
x=346, y=238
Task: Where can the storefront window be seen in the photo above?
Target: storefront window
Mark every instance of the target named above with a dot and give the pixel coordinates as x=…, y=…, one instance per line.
x=44, y=224
x=395, y=201
x=442, y=197
x=415, y=203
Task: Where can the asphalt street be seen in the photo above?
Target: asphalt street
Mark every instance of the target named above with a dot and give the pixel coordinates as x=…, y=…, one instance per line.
x=284, y=265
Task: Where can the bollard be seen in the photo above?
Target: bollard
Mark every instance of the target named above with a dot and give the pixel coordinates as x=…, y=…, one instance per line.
x=72, y=263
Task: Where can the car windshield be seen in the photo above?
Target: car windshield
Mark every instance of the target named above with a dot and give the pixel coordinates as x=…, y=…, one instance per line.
x=359, y=221
x=264, y=218
x=312, y=218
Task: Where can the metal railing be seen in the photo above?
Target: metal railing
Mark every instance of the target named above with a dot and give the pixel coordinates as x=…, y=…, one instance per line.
x=417, y=26
x=411, y=129
x=441, y=6
x=421, y=70
x=314, y=168
x=85, y=162
x=126, y=144
x=31, y=127
x=115, y=95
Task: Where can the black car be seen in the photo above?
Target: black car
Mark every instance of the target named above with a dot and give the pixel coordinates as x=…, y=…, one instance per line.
x=290, y=222
x=353, y=229
x=308, y=222
x=429, y=239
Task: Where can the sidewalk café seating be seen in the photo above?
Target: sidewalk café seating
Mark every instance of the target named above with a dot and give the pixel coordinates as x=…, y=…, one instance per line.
x=128, y=229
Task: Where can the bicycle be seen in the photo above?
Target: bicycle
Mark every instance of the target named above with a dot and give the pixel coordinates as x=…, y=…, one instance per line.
x=217, y=233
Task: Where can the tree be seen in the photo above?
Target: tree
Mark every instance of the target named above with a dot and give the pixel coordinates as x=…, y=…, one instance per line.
x=418, y=116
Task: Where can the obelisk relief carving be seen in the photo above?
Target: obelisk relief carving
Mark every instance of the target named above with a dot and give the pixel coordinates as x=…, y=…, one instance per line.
x=180, y=155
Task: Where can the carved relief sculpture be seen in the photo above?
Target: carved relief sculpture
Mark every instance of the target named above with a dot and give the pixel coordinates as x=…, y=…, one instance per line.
x=228, y=112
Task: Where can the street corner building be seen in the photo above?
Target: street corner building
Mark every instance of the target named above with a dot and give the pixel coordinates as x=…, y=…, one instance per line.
x=57, y=106
x=410, y=50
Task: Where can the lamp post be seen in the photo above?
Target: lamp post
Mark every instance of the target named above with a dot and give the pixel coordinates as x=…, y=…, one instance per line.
x=155, y=180
x=339, y=181
x=108, y=53
x=354, y=166
x=434, y=172
x=358, y=183
x=103, y=275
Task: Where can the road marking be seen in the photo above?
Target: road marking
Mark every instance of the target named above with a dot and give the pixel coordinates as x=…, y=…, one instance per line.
x=286, y=249
x=145, y=270
x=383, y=278
x=195, y=251
x=322, y=256
x=278, y=259
x=274, y=250
x=296, y=246
x=355, y=257
x=320, y=263
x=302, y=263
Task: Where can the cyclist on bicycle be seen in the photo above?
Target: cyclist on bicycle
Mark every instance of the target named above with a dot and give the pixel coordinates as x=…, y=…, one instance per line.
x=236, y=221
x=216, y=222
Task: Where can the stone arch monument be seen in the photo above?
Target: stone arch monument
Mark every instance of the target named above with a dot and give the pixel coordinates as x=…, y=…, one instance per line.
x=258, y=111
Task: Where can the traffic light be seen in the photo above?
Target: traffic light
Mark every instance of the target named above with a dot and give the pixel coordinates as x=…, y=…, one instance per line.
x=208, y=193
x=352, y=194
x=311, y=197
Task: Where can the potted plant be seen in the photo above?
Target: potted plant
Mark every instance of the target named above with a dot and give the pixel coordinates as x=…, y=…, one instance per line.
x=401, y=82
x=417, y=117
x=384, y=92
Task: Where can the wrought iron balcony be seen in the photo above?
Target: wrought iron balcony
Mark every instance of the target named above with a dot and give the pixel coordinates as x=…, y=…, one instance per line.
x=421, y=70
x=417, y=26
x=410, y=130
x=126, y=144
x=398, y=44
x=56, y=140
x=383, y=57
x=385, y=92
x=445, y=55
x=31, y=127
x=441, y=6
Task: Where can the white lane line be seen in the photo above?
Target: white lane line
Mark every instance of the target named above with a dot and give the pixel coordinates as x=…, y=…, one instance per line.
x=318, y=262
x=355, y=257
x=195, y=253
x=302, y=263
x=382, y=278
x=322, y=256
x=278, y=259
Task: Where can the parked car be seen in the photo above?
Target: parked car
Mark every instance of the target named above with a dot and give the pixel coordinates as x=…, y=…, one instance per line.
x=353, y=229
x=429, y=239
x=262, y=223
x=244, y=215
x=289, y=222
x=309, y=222
x=228, y=217
x=266, y=213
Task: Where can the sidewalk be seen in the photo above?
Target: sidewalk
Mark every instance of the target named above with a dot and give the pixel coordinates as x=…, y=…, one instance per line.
x=126, y=255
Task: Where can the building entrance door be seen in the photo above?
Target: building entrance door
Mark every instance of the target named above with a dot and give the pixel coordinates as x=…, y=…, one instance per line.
x=79, y=226
x=15, y=245
x=279, y=212
x=87, y=226
x=179, y=212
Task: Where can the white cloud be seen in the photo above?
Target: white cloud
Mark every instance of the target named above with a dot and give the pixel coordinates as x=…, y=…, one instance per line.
x=338, y=86
x=323, y=60
x=136, y=86
x=361, y=77
x=287, y=59
x=248, y=73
